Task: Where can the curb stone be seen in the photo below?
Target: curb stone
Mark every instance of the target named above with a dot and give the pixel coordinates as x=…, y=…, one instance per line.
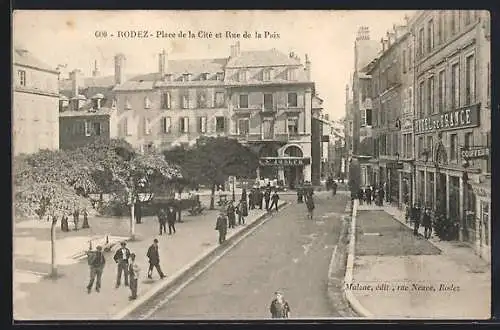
x=184, y=273
x=348, y=278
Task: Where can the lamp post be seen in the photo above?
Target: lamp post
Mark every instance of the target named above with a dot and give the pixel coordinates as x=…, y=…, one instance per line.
x=234, y=197
x=465, y=179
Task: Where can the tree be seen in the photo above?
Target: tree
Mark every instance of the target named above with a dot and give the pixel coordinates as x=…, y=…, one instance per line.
x=119, y=169
x=213, y=159
x=50, y=183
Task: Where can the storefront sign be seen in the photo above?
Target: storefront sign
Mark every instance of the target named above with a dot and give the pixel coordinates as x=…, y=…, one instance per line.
x=284, y=161
x=395, y=165
x=462, y=118
x=325, y=138
x=475, y=152
x=407, y=125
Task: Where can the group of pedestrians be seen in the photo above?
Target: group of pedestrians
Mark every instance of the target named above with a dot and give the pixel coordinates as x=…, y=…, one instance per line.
x=167, y=216
x=126, y=266
x=263, y=197
x=421, y=216
x=372, y=194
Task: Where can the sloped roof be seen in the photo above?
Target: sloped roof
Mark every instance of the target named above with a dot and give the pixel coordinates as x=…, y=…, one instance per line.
x=25, y=58
x=197, y=66
x=271, y=57
x=86, y=112
x=133, y=85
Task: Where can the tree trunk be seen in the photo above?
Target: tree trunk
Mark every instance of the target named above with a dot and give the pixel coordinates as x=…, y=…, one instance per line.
x=212, y=197
x=132, y=222
x=53, y=265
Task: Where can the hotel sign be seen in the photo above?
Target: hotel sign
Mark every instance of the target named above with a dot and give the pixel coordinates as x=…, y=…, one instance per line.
x=457, y=119
x=478, y=152
x=284, y=161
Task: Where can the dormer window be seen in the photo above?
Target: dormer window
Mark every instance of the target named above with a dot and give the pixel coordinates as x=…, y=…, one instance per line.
x=266, y=74
x=128, y=106
x=186, y=77
x=168, y=77
x=220, y=76
x=147, y=103
x=204, y=76
x=242, y=75
x=292, y=74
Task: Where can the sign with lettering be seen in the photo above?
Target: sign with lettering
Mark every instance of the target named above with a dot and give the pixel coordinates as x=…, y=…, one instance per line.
x=284, y=161
x=407, y=125
x=475, y=152
x=457, y=119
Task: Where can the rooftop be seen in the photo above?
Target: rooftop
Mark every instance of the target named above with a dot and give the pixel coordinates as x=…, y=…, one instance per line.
x=25, y=58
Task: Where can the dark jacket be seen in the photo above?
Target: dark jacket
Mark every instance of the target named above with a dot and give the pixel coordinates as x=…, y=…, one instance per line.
x=97, y=259
x=153, y=255
x=310, y=203
x=119, y=254
x=171, y=216
x=221, y=224
x=279, y=311
x=275, y=197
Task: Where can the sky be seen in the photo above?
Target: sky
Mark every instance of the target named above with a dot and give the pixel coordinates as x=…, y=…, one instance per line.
x=76, y=39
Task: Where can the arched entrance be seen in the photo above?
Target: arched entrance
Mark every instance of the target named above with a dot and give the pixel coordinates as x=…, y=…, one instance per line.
x=293, y=173
x=268, y=172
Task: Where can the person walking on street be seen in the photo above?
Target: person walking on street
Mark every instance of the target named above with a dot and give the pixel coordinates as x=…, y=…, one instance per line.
x=121, y=259
x=368, y=195
x=171, y=215
x=154, y=260
x=96, y=262
x=230, y=212
x=381, y=195
x=260, y=197
x=274, y=201
x=138, y=212
x=361, y=196
x=251, y=199
x=416, y=218
x=427, y=223
x=279, y=307
x=133, y=272
x=221, y=226
x=162, y=220
x=300, y=195
x=76, y=218
x=334, y=187
x=242, y=211
x=310, y=207
x=267, y=197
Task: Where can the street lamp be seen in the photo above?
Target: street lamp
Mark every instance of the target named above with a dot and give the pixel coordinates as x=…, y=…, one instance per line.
x=234, y=197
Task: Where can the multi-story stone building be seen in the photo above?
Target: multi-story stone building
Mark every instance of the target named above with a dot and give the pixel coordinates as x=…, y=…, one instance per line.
x=264, y=99
x=452, y=125
x=35, y=108
x=387, y=73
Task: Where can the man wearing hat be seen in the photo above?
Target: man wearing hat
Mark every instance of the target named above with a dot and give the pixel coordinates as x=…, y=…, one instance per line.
x=133, y=270
x=154, y=260
x=279, y=307
x=96, y=263
x=221, y=226
x=121, y=258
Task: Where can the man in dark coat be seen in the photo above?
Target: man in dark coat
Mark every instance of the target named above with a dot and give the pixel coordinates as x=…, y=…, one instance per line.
x=76, y=218
x=121, y=259
x=260, y=196
x=154, y=260
x=334, y=187
x=427, y=223
x=415, y=217
x=138, y=212
x=279, y=307
x=162, y=220
x=96, y=263
x=251, y=199
x=171, y=215
x=368, y=195
x=381, y=195
x=274, y=201
x=134, y=276
x=267, y=198
x=231, y=216
x=221, y=226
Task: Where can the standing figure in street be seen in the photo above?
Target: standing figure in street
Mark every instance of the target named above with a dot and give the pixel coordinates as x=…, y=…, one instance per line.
x=171, y=219
x=334, y=187
x=96, y=262
x=274, y=201
x=300, y=195
x=121, y=259
x=267, y=197
x=368, y=195
x=427, y=223
x=133, y=273
x=310, y=207
x=381, y=195
x=162, y=220
x=279, y=307
x=361, y=196
x=154, y=260
x=242, y=211
x=85, y=219
x=76, y=218
x=416, y=218
x=231, y=216
x=260, y=197
x=251, y=199
x=221, y=226
x=64, y=223
x=138, y=212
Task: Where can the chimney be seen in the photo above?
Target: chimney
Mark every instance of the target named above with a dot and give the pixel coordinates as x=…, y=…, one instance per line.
x=162, y=63
x=119, y=69
x=385, y=44
x=363, y=33
x=308, y=68
x=75, y=82
x=238, y=52
x=95, y=72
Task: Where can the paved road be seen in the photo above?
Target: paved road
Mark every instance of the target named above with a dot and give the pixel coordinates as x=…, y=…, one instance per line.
x=289, y=252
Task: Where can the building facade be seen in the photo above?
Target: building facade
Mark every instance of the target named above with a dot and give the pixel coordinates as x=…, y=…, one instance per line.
x=35, y=123
x=452, y=124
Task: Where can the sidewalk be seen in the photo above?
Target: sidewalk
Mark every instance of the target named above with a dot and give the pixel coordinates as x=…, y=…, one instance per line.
x=38, y=297
x=397, y=275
